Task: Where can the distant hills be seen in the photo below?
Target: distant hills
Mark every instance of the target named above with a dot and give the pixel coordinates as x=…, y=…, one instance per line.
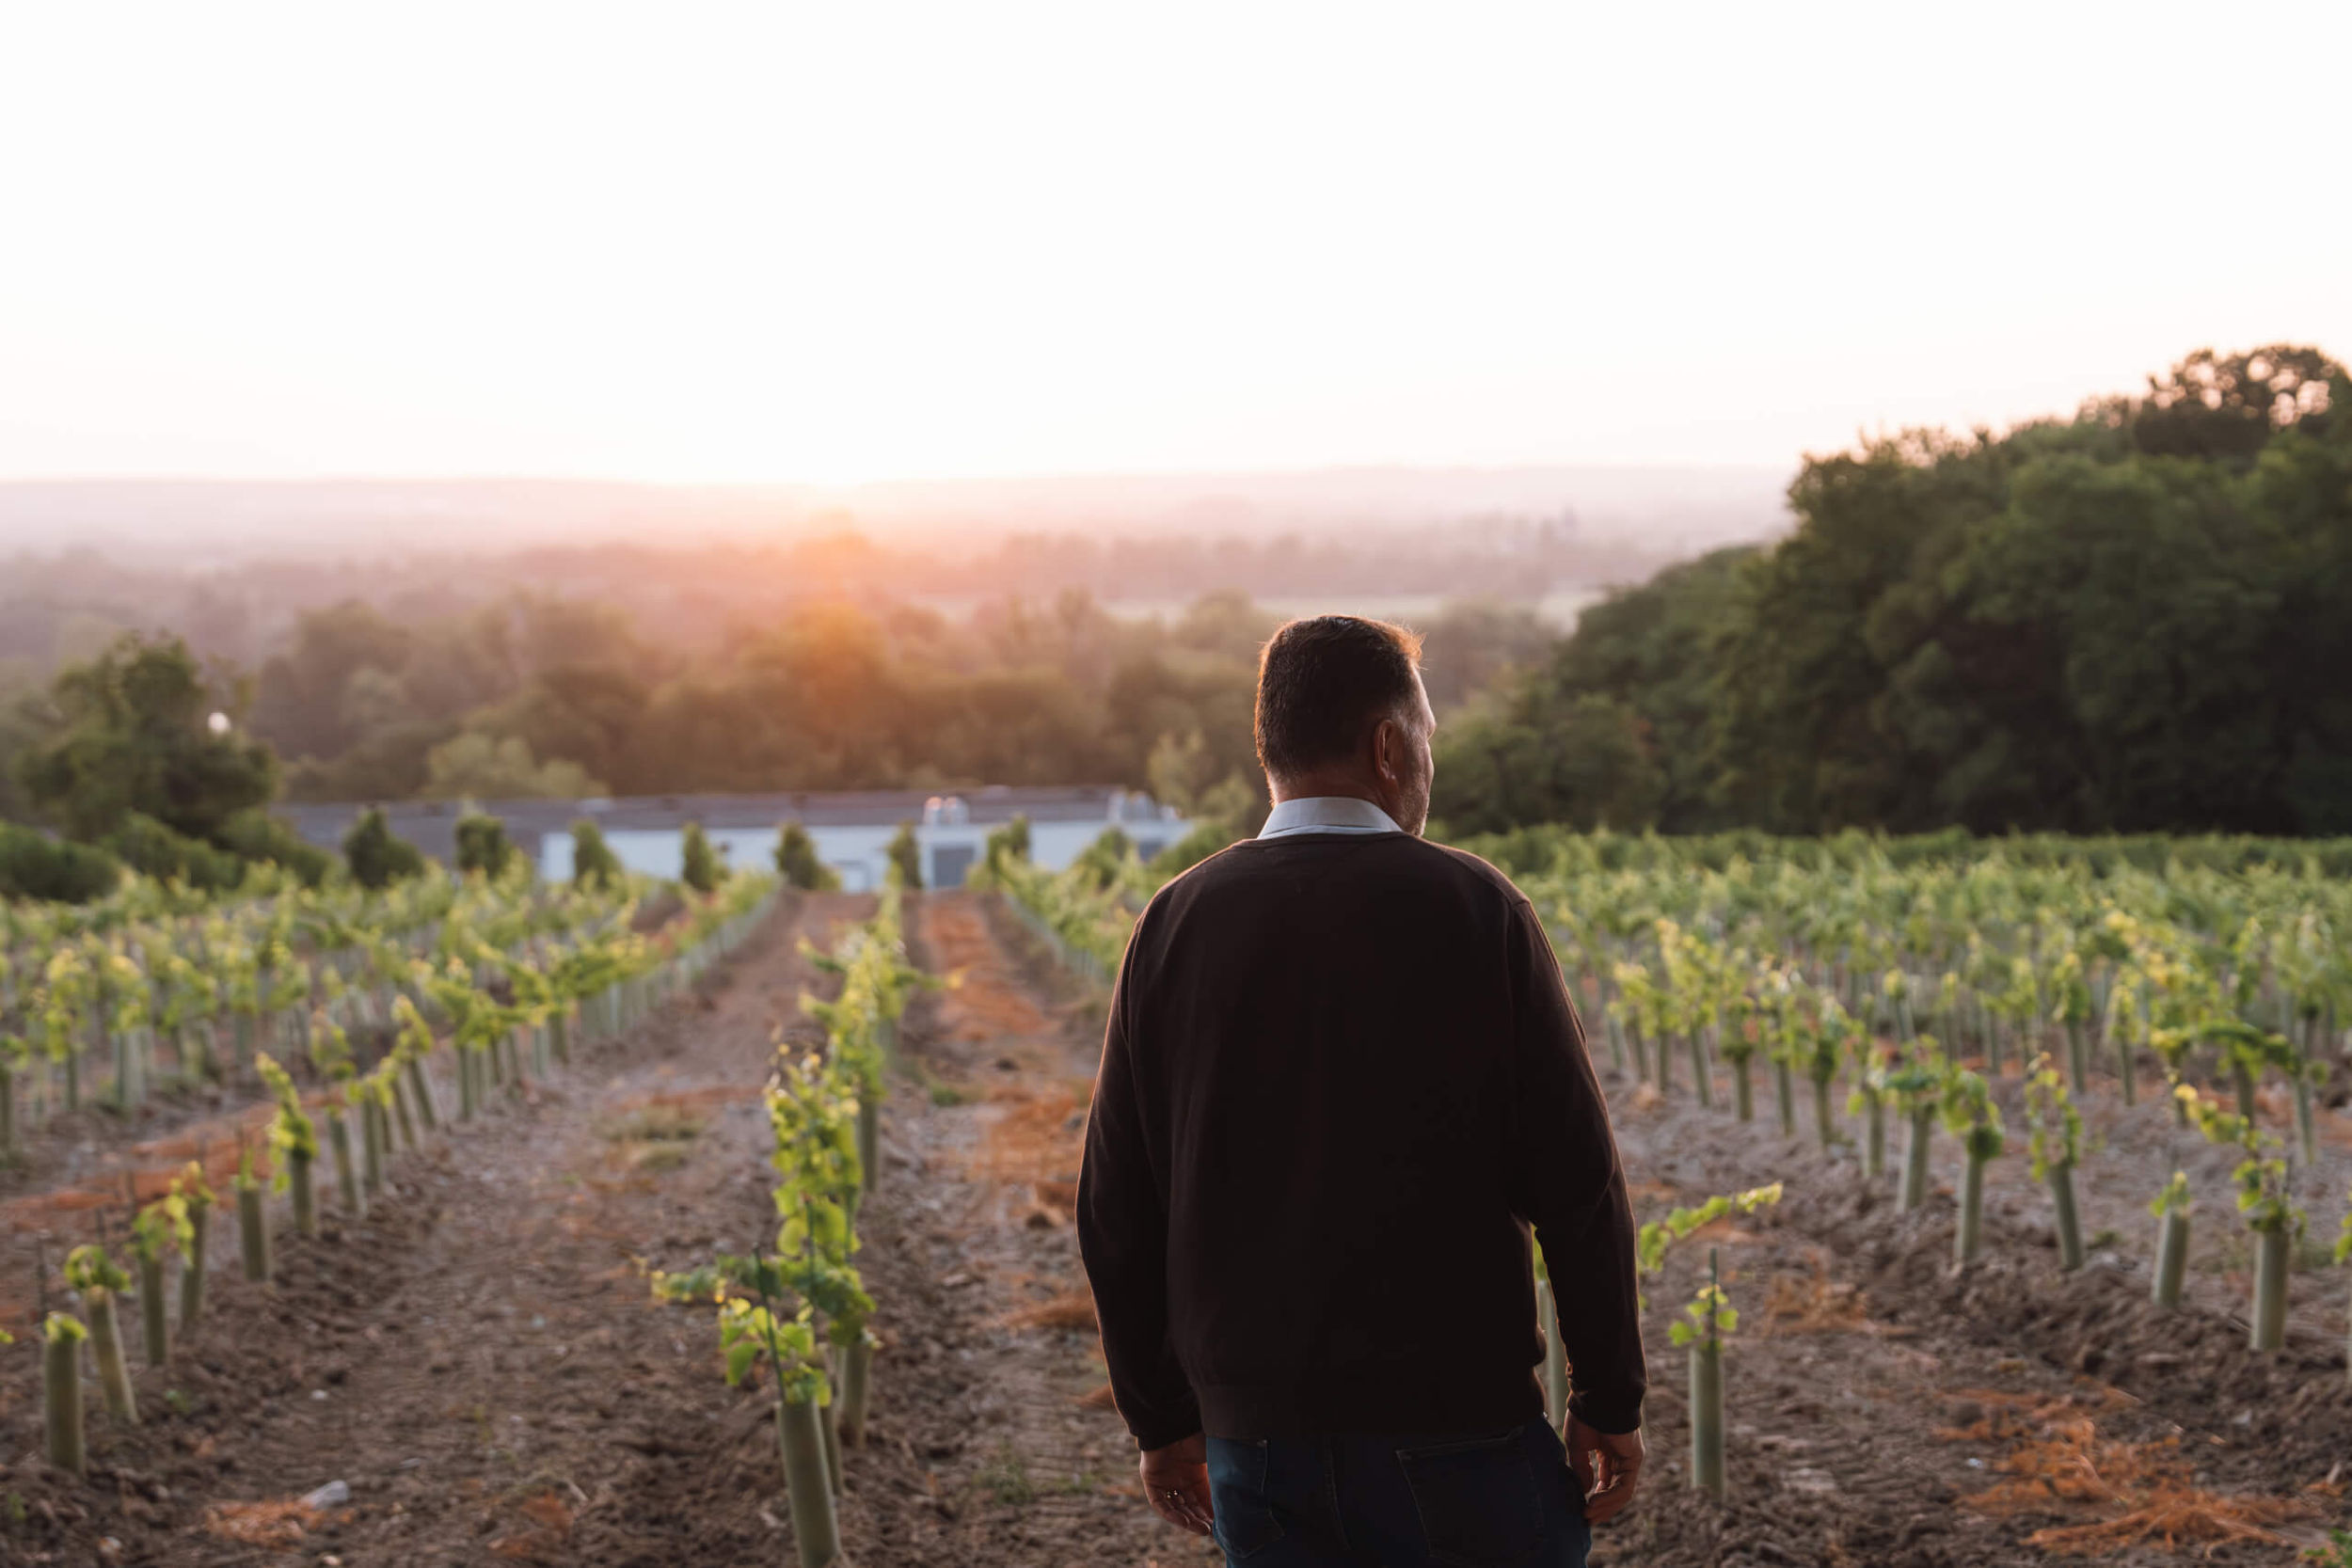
x=1664, y=511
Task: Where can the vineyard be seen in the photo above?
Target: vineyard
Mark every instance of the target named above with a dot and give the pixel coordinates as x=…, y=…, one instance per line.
x=2034, y=1143
x=1992, y=1201
x=244, y=1025
x=474, y=1218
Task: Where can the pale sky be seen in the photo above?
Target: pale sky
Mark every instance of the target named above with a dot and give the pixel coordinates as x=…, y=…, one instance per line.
x=852, y=240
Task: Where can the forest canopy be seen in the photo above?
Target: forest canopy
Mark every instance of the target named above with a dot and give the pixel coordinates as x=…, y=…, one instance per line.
x=2136, y=619
x=539, y=696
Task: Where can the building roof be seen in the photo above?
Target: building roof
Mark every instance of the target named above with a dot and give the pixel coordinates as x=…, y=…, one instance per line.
x=432, y=824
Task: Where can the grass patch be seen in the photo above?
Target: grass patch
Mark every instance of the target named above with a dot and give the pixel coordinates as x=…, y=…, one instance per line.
x=2233, y=1252
x=655, y=1137
x=942, y=1092
x=1006, y=1479
x=655, y=1158
x=661, y=1122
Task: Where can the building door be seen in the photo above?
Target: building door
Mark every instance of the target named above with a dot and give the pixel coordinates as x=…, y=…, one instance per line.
x=949, y=863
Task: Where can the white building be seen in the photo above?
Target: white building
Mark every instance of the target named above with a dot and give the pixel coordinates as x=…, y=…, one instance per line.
x=852, y=830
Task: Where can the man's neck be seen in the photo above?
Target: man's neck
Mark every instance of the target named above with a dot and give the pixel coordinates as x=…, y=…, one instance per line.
x=1325, y=788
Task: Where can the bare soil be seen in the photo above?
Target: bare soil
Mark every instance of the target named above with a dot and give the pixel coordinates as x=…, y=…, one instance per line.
x=481, y=1363
x=1887, y=1409
x=480, y=1360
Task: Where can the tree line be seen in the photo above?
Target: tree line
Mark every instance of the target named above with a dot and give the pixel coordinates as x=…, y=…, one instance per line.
x=2132, y=620
x=551, y=698
x=153, y=757
x=2136, y=619
x=535, y=697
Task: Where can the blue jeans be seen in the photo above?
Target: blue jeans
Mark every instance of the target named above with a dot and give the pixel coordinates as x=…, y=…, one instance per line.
x=1493, y=1499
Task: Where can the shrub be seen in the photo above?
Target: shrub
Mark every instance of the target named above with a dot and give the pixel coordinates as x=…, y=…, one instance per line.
x=1010, y=842
x=153, y=849
x=1204, y=840
x=701, y=869
x=483, y=845
x=256, y=835
x=1105, y=861
x=130, y=731
x=907, y=855
x=796, y=859
x=593, y=860
x=33, y=865
x=376, y=856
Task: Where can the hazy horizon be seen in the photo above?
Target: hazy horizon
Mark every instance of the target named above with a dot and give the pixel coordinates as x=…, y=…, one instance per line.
x=1668, y=510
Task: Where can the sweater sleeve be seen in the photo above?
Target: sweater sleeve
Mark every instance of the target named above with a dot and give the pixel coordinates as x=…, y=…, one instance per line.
x=1123, y=1236
x=1568, y=1184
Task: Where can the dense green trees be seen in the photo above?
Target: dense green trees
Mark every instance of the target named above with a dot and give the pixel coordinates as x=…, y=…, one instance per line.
x=1614, y=728
x=1475, y=645
x=544, y=696
x=2134, y=620
x=365, y=707
x=138, y=751
x=145, y=846
x=132, y=731
x=33, y=865
x=550, y=697
x=485, y=766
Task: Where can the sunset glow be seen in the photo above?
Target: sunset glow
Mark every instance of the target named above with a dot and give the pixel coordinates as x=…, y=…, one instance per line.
x=832, y=244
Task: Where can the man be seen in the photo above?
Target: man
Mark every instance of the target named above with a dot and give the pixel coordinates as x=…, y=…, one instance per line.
x=1341, y=1079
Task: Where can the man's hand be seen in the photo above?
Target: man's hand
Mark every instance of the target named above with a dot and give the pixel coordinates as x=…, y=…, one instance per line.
x=1176, y=1481
x=1608, y=1466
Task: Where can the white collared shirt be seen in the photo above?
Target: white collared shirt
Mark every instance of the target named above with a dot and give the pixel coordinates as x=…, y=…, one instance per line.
x=1328, y=814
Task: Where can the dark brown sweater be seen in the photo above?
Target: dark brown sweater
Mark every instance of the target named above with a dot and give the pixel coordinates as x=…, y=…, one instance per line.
x=1341, y=1080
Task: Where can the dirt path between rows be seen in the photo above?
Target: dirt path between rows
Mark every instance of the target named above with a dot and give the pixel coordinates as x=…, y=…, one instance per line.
x=476, y=1361
x=480, y=1364
x=1005, y=1450
x=1885, y=1408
